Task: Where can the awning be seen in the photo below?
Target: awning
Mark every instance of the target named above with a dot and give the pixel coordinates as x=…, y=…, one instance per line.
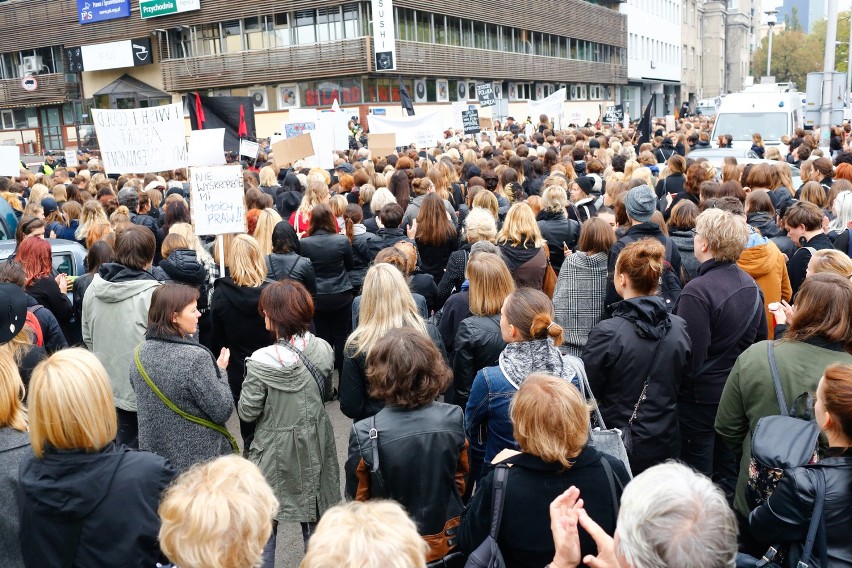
x=130, y=85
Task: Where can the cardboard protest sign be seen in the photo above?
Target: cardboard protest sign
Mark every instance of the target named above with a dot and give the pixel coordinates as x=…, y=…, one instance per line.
x=485, y=94
x=485, y=123
x=249, y=148
x=207, y=147
x=218, y=200
x=289, y=150
x=470, y=118
x=141, y=140
x=71, y=159
x=10, y=161
x=381, y=145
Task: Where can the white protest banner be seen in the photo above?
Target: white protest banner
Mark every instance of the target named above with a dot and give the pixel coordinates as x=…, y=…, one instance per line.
x=424, y=130
x=671, y=123
x=218, y=201
x=207, y=147
x=71, y=159
x=551, y=106
x=458, y=118
x=10, y=161
x=141, y=140
x=249, y=148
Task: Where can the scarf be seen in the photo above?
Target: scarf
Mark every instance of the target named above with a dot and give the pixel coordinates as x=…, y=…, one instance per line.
x=518, y=360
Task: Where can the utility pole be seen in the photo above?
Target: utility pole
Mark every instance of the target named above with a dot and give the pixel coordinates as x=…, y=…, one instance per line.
x=771, y=20
x=827, y=77
x=849, y=65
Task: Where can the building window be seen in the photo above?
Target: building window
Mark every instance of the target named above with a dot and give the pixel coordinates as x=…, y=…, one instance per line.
x=306, y=26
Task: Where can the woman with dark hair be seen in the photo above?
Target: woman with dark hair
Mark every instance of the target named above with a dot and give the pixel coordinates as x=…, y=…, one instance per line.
x=695, y=176
x=637, y=359
x=99, y=253
x=29, y=226
x=285, y=263
x=434, y=235
x=285, y=387
x=400, y=186
x=532, y=338
x=681, y=224
x=360, y=238
x=331, y=256
x=415, y=446
x=760, y=214
x=37, y=260
x=172, y=366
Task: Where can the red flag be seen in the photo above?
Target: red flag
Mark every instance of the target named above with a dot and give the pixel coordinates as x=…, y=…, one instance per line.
x=199, y=111
x=242, y=132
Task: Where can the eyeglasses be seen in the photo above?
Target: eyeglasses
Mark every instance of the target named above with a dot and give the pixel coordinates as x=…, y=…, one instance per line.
x=695, y=232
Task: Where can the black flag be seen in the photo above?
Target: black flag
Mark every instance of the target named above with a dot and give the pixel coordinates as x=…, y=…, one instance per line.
x=234, y=114
x=645, y=124
x=405, y=98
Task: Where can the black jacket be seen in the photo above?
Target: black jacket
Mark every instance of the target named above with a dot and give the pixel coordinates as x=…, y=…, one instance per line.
x=291, y=266
x=387, y=238
x=477, y=345
x=787, y=514
x=46, y=292
x=714, y=305
x=670, y=184
x=640, y=231
x=54, y=339
x=114, y=493
x=237, y=325
x=331, y=256
x=145, y=221
x=764, y=223
x=454, y=275
x=433, y=259
x=557, y=229
x=183, y=267
x=618, y=358
x=354, y=400
x=424, y=285
x=361, y=257
x=525, y=538
x=664, y=152
x=797, y=266
x=422, y=466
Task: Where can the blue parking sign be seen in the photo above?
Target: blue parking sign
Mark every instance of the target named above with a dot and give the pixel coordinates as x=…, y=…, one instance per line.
x=90, y=11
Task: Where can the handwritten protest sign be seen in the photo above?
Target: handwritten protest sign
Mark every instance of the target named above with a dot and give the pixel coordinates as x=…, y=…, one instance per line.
x=423, y=130
x=218, y=200
x=10, y=161
x=249, y=148
x=141, y=140
x=293, y=129
x=485, y=94
x=470, y=118
x=71, y=159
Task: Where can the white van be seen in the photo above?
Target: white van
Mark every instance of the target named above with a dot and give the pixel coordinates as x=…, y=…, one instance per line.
x=771, y=114
x=707, y=107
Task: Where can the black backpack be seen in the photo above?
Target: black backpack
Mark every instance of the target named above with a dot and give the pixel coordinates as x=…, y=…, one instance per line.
x=670, y=286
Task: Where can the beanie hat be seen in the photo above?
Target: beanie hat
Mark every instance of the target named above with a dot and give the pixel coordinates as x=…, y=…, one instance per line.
x=49, y=205
x=585, y=183
x=641, y=202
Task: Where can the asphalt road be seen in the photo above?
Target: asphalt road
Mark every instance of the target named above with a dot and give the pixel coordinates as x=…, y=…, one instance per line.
x=290, y=549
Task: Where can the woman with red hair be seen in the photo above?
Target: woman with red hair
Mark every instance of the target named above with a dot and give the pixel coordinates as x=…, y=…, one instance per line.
x=36, y=258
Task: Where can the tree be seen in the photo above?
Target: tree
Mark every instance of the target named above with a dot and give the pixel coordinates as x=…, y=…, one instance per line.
x=794, y=55
x=793, y=23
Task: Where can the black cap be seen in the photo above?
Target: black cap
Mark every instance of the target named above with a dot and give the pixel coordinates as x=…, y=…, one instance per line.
x=13, y=311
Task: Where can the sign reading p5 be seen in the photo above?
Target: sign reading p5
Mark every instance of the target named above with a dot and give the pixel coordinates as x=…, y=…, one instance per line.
x=90, y=11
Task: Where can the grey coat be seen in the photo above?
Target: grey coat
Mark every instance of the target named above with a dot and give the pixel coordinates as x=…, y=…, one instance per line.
x=294, y=442
x=578, y=300
x=14, y=445
x=187, y=374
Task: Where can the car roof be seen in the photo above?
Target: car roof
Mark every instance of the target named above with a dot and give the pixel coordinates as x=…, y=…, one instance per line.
x=722, y=152
x=9, y=245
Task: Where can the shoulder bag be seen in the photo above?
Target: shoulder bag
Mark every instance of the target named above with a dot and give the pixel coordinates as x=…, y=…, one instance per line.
x=548, y=282
x=606, y=441
x=487, y=554
x=185, y=415
x=319, y=378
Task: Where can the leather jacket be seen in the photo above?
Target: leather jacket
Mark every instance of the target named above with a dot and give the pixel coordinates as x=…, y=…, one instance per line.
x=422, y=464
x=557, y=230
x=291, y=266
x=787, y=514
x=478, y=344
x=331, y=255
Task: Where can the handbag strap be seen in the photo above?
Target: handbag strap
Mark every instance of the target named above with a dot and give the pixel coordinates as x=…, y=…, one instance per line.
x=755, y=310
x=185, y=415
x=610, y=476
x=647, y=380
x=816, y=518
x=312, y=369
x=776, y=379
x=498, y=498
x=374, y=439
x=586, y=390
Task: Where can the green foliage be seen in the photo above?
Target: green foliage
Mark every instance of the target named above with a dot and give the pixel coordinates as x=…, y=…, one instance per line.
x=794, y=24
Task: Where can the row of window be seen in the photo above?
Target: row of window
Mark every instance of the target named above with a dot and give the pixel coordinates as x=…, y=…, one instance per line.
x=352, y=21
x=665, y=9
x=17, y=64
x=650, y=49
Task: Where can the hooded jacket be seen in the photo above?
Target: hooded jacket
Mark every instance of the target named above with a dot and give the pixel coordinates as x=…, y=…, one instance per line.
x=183, y=267
x=764, y=223
x=685, y=243
x=293, y=443
x=558, y=231
x=238, y=326
x=641, y=341
x=115, y=317
x=765, y=263
x=113, y=493
x=527, y=264
x=14, y=447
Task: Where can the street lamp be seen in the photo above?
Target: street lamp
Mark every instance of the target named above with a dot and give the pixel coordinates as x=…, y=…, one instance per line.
x=771, y=20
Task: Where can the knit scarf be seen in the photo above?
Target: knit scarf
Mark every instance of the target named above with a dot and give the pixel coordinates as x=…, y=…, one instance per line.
x=518, y=360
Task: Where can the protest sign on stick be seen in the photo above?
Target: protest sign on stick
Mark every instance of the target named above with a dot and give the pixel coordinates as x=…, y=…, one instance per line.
x=218, y=202
x=381, y=145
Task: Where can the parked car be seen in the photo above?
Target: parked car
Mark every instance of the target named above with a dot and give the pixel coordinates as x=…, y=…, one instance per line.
x=721, y=153
x=69, y=257
x=8, y=220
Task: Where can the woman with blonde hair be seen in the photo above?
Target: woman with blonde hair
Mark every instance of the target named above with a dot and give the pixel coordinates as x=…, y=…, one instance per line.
x=385, y=304
x=37, y=193
x=316, y=193
x=14, y=447
x=235, y=320
x=830, y=260
x=522, y=247
x=266, y=222
x=488, y=201
x=556, y=228
x=269, y=181
x=92, y=214
x=72, y=424
x=231, y=485
x=550, y=421
x=532, y=340
x=478, y=339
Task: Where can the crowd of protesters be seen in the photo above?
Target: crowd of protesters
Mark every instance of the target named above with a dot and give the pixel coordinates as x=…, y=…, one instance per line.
x=467, y=305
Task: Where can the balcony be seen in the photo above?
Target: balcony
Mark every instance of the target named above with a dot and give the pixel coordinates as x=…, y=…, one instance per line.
x=52, y=89
x=280, y=65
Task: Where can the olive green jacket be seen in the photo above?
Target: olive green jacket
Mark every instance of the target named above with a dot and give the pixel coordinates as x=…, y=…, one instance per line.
x=294, y=442
x=749, y=393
